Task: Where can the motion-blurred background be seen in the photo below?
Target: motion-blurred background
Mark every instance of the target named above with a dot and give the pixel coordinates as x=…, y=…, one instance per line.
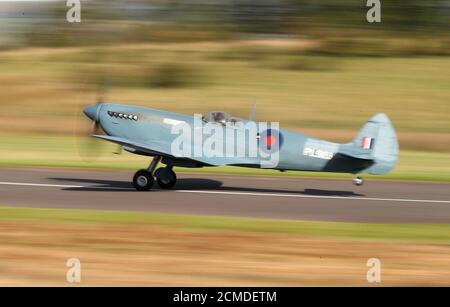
x=315, y=66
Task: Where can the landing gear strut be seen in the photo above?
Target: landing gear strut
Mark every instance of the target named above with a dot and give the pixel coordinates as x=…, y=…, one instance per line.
x=359, y=181
x=165, y=177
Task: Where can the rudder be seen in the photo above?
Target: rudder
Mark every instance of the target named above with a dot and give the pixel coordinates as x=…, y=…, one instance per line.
x=378, y=139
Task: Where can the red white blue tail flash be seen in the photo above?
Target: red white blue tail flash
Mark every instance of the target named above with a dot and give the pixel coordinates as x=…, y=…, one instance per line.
x=367, y=142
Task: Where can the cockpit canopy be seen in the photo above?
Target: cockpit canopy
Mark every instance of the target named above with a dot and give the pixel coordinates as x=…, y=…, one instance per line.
x=220, y=117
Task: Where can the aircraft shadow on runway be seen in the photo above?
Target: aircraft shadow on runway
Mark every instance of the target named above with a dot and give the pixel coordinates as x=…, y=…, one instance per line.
x=192, y=184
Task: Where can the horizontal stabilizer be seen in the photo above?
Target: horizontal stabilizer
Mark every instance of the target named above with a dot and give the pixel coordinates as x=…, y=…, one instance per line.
x=342, y=163
x=356, y=152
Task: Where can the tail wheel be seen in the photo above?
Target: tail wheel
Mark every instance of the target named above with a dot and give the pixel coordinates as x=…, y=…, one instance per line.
x=359, y=181
x=166, y=178
x=143, y=180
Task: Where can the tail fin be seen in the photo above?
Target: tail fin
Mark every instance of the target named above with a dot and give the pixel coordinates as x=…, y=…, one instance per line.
x=376, y=141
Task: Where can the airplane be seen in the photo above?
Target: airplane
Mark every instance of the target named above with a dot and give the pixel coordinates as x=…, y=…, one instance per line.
x=149, y=132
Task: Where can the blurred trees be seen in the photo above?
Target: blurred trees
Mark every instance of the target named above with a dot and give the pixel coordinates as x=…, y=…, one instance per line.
x=142, y=21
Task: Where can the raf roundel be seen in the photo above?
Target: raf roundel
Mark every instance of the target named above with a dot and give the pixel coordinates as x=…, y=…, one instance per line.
x=271, y=140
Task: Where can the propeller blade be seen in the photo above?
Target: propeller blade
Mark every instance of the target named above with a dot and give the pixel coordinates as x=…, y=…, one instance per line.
x=94, y=87
x=89, y=148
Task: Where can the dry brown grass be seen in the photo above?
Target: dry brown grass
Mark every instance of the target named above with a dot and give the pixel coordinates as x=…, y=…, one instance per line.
x=33, y=254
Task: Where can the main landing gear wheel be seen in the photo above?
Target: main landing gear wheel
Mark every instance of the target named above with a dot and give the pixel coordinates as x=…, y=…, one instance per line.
x=143, y=180
x=359, y=181
x=165, y=177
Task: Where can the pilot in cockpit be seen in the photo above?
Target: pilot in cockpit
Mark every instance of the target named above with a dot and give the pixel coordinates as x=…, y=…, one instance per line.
x=220, y=117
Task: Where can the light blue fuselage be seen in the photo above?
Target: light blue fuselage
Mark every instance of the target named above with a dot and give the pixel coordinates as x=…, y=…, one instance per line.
x=149, y=132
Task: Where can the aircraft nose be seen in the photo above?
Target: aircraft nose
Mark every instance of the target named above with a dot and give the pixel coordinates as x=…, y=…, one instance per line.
x=92, y=111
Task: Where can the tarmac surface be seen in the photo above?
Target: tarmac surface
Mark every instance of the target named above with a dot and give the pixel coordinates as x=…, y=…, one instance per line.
x=231, y=195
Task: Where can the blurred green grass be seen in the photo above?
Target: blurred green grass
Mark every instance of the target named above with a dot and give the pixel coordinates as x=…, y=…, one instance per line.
x=423, y=233
x=62, y=151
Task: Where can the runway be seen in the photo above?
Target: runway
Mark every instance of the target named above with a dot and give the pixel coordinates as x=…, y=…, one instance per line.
x=226, y=195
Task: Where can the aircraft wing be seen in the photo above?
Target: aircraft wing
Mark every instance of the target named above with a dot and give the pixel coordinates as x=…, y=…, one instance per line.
x=156, y=149
x=162, y=149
